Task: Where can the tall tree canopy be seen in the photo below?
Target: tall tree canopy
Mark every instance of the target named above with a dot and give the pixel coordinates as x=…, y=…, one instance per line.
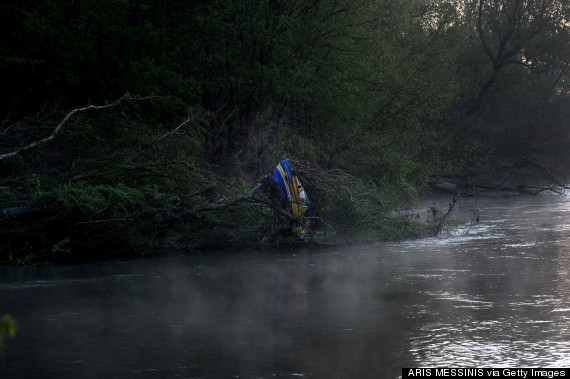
x=513, y=63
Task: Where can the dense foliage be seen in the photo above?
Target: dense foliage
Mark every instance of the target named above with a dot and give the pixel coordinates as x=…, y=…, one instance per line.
x=378, y=98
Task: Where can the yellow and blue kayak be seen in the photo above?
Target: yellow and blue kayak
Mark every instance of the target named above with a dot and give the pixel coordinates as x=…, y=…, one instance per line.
x=292, y=191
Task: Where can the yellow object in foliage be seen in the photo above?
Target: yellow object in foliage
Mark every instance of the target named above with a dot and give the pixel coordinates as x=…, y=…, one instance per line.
x=293, y=192
x=7, y=327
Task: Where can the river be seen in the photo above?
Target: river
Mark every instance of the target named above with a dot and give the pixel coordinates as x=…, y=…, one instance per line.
x=496, y=293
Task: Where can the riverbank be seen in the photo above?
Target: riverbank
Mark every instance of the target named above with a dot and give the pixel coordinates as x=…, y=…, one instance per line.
x=80, y=221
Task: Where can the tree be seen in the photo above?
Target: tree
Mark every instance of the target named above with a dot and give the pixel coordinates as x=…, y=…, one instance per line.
x=513, y=62
x=382, y=118
x=513, y=33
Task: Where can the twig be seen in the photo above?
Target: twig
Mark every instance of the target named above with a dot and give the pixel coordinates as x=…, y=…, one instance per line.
x=11, y=126
x=175, y=129
x=444, y=218
x=321, y=219
x=107, y=220
x=224, y=202
x=271, y=205
x=473, y=220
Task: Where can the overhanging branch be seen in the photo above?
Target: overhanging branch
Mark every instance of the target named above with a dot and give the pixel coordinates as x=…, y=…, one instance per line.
x=207, y=206
x=249, y=196
x=59, y=126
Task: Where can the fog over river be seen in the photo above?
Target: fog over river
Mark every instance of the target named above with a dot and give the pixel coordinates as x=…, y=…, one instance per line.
x=493, y=294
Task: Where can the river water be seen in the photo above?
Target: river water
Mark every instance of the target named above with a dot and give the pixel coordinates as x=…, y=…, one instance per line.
x=496, y=293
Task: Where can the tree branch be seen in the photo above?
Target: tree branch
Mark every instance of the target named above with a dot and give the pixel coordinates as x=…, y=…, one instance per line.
x=250, y=196
x=449, y=211
x=59, y=126
x=224, y=202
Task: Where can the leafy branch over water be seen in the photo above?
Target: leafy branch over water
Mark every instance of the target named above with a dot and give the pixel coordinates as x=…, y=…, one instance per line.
x=7, y=328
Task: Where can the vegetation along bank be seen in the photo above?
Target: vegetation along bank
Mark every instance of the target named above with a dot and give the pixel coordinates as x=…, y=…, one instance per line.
x=144, y=127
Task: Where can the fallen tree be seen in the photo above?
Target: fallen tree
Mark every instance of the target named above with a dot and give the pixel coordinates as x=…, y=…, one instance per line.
x=533, y=171
x=270, y=199
x=478, y=189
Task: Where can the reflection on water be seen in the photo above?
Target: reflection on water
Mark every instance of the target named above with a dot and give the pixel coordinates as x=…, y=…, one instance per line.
x=494, y=294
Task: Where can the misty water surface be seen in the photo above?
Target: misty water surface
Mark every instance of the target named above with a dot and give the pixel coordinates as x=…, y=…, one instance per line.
x=496, y=294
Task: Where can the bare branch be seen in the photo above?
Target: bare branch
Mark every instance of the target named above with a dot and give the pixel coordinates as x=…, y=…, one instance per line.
x=190, y=119
x=271, y=205
x=224, y=202
x=250, y=196
x=107, y=220
x=59, y=126
x=449, y=211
